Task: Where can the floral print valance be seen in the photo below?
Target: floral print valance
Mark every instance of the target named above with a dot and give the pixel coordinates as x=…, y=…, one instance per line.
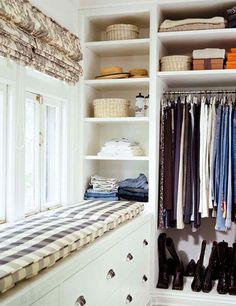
x=34, y=39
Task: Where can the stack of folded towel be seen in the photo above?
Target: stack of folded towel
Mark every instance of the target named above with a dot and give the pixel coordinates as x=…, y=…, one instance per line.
x=192, y=24
x=102, y=188
x=208, y=59
x=231, y=17
x=231, y=59
x=134, y=189
x=120, y=148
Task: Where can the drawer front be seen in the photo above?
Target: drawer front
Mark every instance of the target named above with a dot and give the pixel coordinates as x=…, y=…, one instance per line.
x=113, y=300
x=51, y=298
x=135, y=249
x=93, y=284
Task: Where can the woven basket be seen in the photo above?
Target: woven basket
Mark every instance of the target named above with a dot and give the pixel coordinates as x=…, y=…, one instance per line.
x=122, y=32
x=176, y=63
x=111, y=107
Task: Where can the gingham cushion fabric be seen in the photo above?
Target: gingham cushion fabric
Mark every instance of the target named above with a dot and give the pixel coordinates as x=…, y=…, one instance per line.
x=113, y=212
x=29, y=246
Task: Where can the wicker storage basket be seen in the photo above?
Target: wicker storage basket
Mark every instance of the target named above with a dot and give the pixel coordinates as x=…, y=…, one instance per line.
x=111, y=107
x=122, y=31
x=176, y=63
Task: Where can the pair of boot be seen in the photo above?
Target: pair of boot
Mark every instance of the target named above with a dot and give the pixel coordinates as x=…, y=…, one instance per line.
x=171, y=266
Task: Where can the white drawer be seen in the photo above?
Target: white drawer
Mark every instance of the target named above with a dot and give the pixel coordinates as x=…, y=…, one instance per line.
x=135, y=249
x=114, y=299
x=51, y=298
x=94, y=283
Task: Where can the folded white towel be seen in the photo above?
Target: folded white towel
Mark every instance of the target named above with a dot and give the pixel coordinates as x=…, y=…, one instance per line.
x=209, y=53
x=175, y=23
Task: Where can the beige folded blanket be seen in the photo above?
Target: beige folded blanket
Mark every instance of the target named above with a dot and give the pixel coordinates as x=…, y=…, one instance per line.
x=195, y=26
x=175, y=23
x=209, y=53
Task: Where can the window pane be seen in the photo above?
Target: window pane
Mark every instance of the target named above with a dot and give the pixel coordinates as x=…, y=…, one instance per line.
x=52, y=166
x=3, y=148
x=31, y=155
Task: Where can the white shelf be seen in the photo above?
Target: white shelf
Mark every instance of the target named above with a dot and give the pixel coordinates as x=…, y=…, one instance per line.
x=134, y=158
x=201, y=38
x=188, y=297
x=129, y=83
x=123, y=120
x=199, y=78
x=120, y=47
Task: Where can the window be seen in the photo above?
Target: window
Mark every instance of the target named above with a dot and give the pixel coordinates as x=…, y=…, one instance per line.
x=3, y=146
x=43, y=120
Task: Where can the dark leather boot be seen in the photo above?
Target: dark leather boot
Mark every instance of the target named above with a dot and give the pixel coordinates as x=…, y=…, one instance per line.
x=232, y=274
x=191, y=268
x=208, y=279
x=171, y=266
x=222, y=286
x=178, y=280
x=200, y=271
x=163, y=279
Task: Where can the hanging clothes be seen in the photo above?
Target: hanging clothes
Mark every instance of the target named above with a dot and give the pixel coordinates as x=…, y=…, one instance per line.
x=197, y=160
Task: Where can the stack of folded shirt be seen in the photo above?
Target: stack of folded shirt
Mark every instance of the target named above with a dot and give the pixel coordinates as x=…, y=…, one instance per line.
x=120, y=148
x=192, y=24
x=208, y=59
x=102, y=188
x=231, y=59
x=231, y=16
x=134, y=189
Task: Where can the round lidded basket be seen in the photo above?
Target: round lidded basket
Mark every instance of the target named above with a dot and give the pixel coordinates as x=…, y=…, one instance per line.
x=176, y=63
x=111, y=107
x=122, y=31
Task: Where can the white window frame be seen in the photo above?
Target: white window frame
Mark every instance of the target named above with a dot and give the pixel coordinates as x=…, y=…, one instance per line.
x=3, y=153
x=43, y=101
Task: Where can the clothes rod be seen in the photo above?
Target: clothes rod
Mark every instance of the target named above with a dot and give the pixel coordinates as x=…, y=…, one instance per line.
x=200, y=92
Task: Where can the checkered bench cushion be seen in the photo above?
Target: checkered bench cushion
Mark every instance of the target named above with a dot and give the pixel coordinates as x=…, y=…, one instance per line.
x=29, y=246
x=113, y=213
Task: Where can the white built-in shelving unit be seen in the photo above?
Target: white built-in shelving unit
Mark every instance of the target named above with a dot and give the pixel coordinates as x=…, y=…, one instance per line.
x=146, y=52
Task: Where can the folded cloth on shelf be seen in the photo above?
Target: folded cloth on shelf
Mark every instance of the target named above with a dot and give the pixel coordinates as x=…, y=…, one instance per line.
x=231, y=24
x=195, y=27
x=168, y=25
x=231, y=17
x=231, y=11
x=141, y=193
x=103, y=194
x=100, y=183
x=139, y=182
x=100, y=198
x=208, y=64
x=209, y=53
x=120, y=148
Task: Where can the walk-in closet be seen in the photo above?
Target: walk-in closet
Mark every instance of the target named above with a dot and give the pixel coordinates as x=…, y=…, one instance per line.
x=117, y=152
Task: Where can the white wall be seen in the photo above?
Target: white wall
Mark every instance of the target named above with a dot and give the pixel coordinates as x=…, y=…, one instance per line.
x=63, y=11
x=88, y=3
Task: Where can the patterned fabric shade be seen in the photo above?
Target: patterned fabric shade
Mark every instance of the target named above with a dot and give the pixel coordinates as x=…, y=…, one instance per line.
x=34, y=39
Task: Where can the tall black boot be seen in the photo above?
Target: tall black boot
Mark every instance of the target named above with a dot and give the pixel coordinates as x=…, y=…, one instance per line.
x=222, y=286
x=200, y=271
x=163, y=279
x=208, y=279
x=232, y=273
x=178, y=281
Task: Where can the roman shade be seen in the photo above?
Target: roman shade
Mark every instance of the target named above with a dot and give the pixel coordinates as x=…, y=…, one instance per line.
x=31, y=38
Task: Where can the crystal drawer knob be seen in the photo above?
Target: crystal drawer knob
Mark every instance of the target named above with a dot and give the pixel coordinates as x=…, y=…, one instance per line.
x=129, y=257
x=129, y=299
x=145, y=242
x=145, y=279
x=111, y=274
x=80, y=301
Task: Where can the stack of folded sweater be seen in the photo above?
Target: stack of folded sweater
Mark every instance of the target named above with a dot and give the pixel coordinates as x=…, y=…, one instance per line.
x=231, y=17
x=192, y=24
x=231, y=59
x=208, y=59
x=102, y=188
x=134, y=189
x=120, y=148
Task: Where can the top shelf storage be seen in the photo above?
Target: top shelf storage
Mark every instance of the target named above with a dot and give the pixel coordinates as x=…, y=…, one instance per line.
x=95, y=27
